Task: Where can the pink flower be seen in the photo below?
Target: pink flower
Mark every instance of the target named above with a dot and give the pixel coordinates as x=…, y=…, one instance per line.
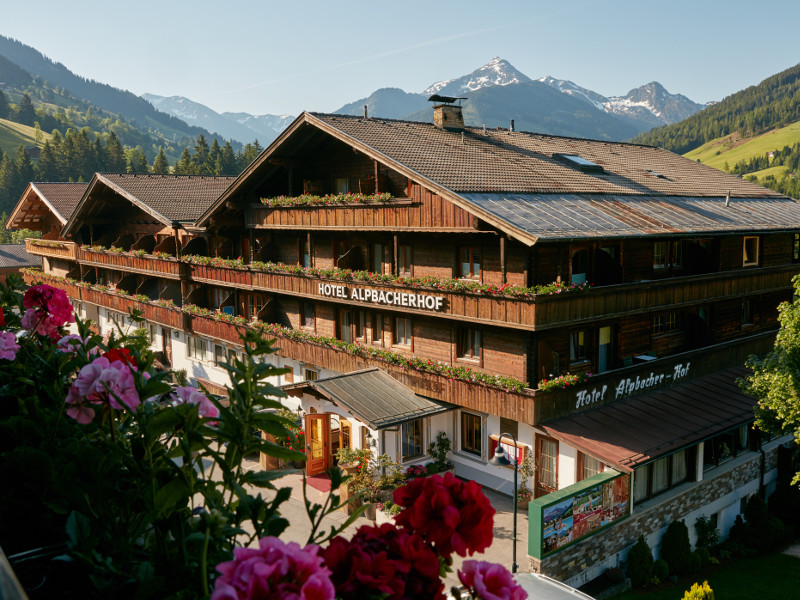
x=69, y=344
x=489, y=581
x=48, y=308
x=275, y=570
x=98, y=382
x=190, y=395
x=8, y=346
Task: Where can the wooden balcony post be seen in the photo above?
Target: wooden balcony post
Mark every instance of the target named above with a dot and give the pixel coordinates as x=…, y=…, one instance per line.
x=177, y=245
x=395, y=261
x=252, y=253
x=310, y=250
x=375, y=162
x=503, y=259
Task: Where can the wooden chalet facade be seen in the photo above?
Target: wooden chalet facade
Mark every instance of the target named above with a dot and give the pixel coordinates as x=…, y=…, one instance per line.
x=553, y=288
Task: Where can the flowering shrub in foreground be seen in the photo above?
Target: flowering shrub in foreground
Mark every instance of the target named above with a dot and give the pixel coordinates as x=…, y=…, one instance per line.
x=404, y=560
x=123, y=487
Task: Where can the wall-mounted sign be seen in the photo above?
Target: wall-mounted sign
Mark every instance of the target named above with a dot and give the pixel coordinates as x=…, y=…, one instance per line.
x=569, y=515
x=627, y=385
x=420, y=301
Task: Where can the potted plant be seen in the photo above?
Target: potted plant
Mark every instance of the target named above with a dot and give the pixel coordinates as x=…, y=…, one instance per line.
x=527, y=471
x=438, y=450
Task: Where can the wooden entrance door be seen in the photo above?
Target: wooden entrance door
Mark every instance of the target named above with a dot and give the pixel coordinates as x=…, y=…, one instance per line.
x=318, y=433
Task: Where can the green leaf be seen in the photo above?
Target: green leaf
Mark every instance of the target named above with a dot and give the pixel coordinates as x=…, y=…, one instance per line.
x=174, y=492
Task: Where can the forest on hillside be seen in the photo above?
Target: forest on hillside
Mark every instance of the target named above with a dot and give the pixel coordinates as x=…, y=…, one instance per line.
x=775, y=102
x=79, y=153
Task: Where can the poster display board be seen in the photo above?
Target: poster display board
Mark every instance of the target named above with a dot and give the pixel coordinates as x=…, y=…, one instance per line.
x=569, y=515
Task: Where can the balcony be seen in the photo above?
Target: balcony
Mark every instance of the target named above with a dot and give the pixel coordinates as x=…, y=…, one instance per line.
x=52, y=248
x=166, y=267
x=170, y=316
x=534, y=312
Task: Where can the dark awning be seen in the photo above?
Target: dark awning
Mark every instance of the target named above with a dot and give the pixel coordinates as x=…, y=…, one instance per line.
x=376, y=398
x=635, y=431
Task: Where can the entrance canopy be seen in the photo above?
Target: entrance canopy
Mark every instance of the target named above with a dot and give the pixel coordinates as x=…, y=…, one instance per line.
x=631, y=432
x=372, y=396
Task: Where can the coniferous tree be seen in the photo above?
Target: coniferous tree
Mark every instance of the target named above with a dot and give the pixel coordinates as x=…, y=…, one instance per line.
x=47, y=165
x=202, y=157
x=4, y=109
x=24, y=169
x=185, y=165
x=229, y=162
x=160, y=164
x=25, y=112
x=114, y=155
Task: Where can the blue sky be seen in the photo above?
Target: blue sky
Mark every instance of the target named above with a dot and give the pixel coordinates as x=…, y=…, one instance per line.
x=285, y=57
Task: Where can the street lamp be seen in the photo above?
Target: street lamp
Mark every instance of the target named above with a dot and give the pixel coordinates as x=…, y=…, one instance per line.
x=499, y=460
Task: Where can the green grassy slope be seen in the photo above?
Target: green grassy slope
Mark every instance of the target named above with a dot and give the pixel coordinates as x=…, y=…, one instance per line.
x=13, y=135
x=732, y=148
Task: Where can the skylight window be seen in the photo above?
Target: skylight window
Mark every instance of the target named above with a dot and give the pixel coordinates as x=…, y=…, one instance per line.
x=654, y=173
x=580, y=163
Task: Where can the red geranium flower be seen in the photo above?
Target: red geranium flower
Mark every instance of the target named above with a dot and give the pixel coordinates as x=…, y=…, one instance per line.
x=452, y=515
x=383, y=560
x=122, y=354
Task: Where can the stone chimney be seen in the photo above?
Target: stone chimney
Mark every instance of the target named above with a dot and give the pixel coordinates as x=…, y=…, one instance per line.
x=448, y=116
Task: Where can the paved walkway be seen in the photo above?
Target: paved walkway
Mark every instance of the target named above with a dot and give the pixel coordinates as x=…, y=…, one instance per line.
x=499, y=552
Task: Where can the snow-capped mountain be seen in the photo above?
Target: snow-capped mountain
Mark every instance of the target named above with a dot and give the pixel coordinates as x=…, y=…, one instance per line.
x=496, y=72
x=650, y=104
x=242, y=127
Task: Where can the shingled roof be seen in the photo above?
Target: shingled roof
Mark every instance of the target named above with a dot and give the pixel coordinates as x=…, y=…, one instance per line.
x=16, y=256
x=169, y=198
x=503, y=161
x=523, y=184
x=59, y=198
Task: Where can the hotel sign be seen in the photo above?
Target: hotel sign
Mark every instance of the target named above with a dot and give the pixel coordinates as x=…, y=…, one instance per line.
x=627, y=385
x=409, y=300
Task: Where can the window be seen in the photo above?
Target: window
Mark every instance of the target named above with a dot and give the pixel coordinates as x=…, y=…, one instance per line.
x=604, y=350
x=547, y=474
x=661, y=474
x=411, y=434
x=469, y=343
x=588, y=466
x=307, y=315
x=310, y=374
x=402, y=332
x=377, y=329
x=151, y=333
x=218, y=297
x=471, y=433
x=195, y=348
x=577, y=346
x=747, y=317
x=304, y=253
x=345, y=326
x=341, y=185
x=470, y=262
x=377, y=258
x=404, y=259
x=360, y=325
x=219, y=355
x=580, y=265
x=750, y=251
x=796, y=248
x=724, y=447
x=339, y=250
x=667, y=254
x=255, y=304
x=663, y=324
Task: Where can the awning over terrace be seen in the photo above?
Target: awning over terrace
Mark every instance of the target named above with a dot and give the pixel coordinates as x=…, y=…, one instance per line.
x=632, y=432
x=374, y=397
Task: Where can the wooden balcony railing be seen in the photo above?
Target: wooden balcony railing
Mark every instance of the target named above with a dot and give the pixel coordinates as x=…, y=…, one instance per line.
x=535, y=313
x=169, y=268
x=51, y=248
x=171, y=316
